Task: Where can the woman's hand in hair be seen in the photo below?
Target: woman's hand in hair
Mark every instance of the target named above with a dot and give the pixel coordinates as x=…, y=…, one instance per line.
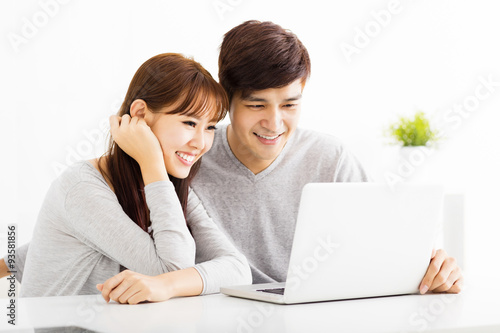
x=137, y=139
x=130, y=287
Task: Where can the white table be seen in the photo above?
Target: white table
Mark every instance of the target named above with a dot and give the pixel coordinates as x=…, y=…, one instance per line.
x=476, y=306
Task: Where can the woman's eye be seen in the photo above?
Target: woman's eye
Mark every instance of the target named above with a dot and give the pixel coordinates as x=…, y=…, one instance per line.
x=255, y=106
x=212, y=128
x=190, y=123
x=289, y=105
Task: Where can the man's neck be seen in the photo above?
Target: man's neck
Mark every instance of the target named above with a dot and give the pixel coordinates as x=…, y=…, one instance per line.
x=246, y=157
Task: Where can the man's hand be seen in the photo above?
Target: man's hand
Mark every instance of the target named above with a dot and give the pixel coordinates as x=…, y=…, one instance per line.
x=443, y=275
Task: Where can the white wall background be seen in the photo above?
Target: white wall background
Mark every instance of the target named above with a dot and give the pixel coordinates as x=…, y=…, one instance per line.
x=65, y=66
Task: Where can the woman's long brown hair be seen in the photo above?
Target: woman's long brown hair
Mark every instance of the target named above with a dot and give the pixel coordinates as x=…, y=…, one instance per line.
x=162, y=81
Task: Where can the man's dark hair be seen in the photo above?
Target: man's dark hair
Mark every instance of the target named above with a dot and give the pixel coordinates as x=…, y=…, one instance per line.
x=260, y=55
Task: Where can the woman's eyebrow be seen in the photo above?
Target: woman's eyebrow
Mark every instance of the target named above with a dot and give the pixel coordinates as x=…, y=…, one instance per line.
x=195, y=116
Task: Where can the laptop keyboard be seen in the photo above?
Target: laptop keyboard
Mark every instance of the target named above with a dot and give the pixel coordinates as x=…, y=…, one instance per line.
x=279, y=291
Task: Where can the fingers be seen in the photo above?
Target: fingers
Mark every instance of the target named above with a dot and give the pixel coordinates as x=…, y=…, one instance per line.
x=442, y=278
x=126, y=120
x=141, y=296
x=114, y=123
x=110, y=284
x=125, y=287
x=119, y=126
x=432, y=270
x=117, y=294
x=135, y=294
x=443, y=275
x=457, y=286
x=448, y=281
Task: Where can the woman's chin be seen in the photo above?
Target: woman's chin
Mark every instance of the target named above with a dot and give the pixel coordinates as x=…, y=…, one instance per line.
x=179, y=175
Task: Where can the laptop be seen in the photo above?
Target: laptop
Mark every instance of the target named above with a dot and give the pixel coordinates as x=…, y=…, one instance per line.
x=356, y=240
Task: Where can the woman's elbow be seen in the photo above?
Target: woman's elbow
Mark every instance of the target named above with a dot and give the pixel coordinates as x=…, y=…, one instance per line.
x=245, y=276
x=183, y=260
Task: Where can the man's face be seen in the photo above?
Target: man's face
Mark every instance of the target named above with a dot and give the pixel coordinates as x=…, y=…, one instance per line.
x=262, y=123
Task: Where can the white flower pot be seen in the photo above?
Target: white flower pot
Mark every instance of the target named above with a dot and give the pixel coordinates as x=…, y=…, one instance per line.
x=413, y=162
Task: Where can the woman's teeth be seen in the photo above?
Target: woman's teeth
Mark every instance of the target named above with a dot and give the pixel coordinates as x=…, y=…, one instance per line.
x=188, y=158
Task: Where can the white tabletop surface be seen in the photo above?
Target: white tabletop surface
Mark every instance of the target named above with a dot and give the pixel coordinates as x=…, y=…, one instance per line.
x=476, y=309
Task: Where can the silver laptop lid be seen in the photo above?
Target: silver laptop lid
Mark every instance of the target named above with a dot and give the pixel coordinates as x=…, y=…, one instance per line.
x=362, y=239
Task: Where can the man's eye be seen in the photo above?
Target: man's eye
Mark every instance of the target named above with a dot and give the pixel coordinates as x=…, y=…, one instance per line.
x=289, y=105
x=256, y=106
x=212, y=128
x=190, y=123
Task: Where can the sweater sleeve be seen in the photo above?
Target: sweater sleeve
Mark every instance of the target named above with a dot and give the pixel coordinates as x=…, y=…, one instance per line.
x=97, y=219
x=218, y=261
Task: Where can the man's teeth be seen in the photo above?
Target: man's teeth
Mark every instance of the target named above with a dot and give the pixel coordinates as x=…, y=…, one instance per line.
x=268, y=137
x=189, y=158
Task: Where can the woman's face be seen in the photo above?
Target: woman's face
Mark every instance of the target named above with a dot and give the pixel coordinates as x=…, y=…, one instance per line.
x=183, y=139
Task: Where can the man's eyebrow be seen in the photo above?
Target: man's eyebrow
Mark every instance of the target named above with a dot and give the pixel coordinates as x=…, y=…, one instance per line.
x=295, y=98
x=251, y=98
x=258, y=99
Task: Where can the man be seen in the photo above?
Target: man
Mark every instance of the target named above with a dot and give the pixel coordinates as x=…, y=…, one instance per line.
x=251, y=180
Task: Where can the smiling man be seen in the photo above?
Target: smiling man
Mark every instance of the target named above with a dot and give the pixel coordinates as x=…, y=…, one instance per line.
x=251, y=181
x=262, y=123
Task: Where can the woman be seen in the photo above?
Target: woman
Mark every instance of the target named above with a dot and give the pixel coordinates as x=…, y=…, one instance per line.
x=128, y=209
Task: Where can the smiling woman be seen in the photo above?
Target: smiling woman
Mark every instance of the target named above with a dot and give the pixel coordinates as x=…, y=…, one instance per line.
x=165, y=84
x=132, y=208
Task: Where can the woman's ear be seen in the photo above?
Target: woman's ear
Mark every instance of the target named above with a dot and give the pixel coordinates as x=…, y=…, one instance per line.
x=138, y=108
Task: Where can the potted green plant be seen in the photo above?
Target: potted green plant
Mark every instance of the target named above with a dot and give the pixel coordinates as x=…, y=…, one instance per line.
x=413, y=132
x=416, y=137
